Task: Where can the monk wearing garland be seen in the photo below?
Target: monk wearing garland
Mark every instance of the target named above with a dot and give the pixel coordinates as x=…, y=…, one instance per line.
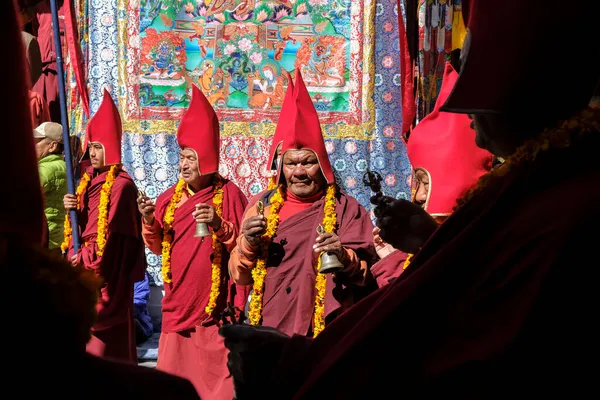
x=279, y=249
x=447, y=163
x=47, y=297
x=110, y=231
x=195, y=269
x=501, y=299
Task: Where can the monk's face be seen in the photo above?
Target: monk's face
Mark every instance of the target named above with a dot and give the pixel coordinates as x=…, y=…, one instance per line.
x=422, y=188
x=96, y=155
x=302, y=172
x=188, y=166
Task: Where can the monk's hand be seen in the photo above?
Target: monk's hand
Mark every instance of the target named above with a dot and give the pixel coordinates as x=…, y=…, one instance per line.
x=403, y=224
x=206, y=213
x=70, y=202
x=74, y=260
x=146, y=208
x=253, y=228
x=329, y=242
x=382, y=248
x=254, y=352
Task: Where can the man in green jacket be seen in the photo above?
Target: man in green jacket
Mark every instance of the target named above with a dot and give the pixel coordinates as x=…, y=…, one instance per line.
x=53, y=177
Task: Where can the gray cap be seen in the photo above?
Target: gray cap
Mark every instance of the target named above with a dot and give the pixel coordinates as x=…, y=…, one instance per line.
x=50, y=130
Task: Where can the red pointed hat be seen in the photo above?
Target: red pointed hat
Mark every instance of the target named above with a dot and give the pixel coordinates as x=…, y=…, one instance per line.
x=199, y=131
x=286, y=114
x=21, y=207
x=105, y=128
x=303, y=130
x=444, y=145
x=528, y=56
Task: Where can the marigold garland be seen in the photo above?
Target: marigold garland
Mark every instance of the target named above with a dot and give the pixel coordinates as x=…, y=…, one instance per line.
x=329, y=223
x=217, y=250
x=216, y=266
x=259, y=271
x=103, y=208
x=272, y=182
x=563, y=136
x=407, y=261
x=68, y=231
x=168, y=220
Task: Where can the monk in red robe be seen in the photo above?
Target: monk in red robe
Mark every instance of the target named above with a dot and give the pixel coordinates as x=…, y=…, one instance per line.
x=195, y=269
x=47, y=83
x=110, y=228
x=280, y=245
x=501, y=299
x=447, y=163
x=47, y=297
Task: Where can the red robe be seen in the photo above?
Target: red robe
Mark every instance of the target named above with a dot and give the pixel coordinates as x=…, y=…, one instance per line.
x=122, y=264
x=386, y=270
x=289, y=293
x=190, y=345
x=501, y=300
x=47, y=84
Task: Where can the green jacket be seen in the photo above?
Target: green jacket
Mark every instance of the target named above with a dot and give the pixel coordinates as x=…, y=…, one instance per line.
x=53, y=176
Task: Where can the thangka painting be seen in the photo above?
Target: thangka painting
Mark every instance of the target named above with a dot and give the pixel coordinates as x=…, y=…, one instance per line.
x=149, y=53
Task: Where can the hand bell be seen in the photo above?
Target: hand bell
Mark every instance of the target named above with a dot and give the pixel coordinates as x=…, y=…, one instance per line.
x=329, y=261
x=202, y=230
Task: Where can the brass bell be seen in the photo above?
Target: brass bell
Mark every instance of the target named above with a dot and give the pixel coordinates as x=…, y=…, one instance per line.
x=330, y=263
x=202, y=230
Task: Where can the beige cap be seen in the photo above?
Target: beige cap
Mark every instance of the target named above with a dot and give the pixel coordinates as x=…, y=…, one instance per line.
x=50, y=130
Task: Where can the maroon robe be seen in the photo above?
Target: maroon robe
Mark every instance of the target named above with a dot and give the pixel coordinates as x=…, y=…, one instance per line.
x=386, y=270
x=501, y=300
x=47, y=83
x=190, y=345
x=289, y=292
x=122, y=264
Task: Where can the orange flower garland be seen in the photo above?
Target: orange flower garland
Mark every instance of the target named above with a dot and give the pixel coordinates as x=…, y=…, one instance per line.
x=272, y=182
x=68, y=231
x=259, y=271
x=103, y=208
x=329, y=223
x=217, y=250
x=407, y=261
x=168, y=220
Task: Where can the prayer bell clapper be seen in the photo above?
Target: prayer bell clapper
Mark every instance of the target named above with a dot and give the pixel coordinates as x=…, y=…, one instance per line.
x=329, y=261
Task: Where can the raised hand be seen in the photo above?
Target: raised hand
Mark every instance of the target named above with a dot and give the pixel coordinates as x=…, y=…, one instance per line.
x=253, y=228
x=206, y=213
x=403, y=224
x=146, y=208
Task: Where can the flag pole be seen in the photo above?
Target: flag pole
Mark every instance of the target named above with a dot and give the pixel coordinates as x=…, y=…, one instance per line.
x=64, y=119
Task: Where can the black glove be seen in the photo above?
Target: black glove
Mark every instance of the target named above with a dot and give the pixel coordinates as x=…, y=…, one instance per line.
x=403, y=224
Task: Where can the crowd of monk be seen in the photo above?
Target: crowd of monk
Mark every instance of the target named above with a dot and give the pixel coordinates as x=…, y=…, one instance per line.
x=295, y=293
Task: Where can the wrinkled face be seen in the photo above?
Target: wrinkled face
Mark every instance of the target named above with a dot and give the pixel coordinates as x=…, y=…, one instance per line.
x=302, y=172
x=188, y=166
x=96, y=155
x=44, y=146
x=422, y=187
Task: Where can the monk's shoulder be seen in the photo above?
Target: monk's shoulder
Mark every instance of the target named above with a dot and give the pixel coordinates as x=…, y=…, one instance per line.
x=165, y=196
x=350, y=204
x=232, y=188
